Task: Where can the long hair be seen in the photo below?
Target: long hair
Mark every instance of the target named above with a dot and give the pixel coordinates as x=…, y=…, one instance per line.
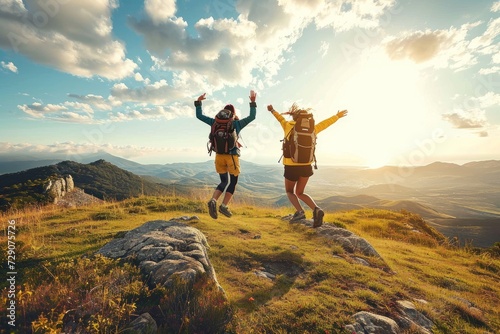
x=231, y=108
x=295, y=111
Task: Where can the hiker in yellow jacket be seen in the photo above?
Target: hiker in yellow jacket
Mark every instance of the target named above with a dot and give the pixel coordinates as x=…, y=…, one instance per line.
x=297, y=174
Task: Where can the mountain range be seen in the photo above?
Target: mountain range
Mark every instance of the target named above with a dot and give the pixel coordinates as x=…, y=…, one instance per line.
x=100, y=179
x=459, y=200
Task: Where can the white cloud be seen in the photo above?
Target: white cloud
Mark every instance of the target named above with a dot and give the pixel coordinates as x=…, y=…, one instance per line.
x=495, y=7
x=490, y=70
x=97, y=101
x=15, y=7
x=159, y=92
x=496, y=58
x=343, y=15
x=222, y=54
x=444, y=48
x=487, y=39
x=72, y=112
x=75, y=151
x=156, y=112
x=146, y=103
x=323, y=50
x=229, y=52
x=472, y=119
x=70, y=35
x=160, y=10
x=9, y=66
x=490, y=99
x=418, y=46
x=138, y=77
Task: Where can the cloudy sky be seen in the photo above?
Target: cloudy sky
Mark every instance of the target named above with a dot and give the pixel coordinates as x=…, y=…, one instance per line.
x=420, y=78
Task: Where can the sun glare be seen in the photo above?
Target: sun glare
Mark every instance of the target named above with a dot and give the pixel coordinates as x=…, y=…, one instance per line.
x=386, y=109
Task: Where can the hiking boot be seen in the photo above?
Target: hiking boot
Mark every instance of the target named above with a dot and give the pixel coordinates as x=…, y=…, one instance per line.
x=212, y=208
x=318, y=215
x=298, y=216
x=225, y=211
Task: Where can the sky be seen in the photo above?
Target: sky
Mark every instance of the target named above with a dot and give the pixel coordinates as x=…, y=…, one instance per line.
x=419, y=78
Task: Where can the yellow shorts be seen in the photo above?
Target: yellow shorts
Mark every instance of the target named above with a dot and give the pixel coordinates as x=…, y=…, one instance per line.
x=227, y=163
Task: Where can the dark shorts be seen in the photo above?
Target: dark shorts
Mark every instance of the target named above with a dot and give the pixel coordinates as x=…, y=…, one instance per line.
x=293, y=173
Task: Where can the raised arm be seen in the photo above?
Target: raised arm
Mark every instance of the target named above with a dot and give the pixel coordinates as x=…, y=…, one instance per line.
x=277, y=115
x=253, y=111
x=199, y=111
x=329, y=121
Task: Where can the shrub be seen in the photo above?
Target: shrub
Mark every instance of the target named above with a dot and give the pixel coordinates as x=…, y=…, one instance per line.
x=199, y=307
x=92, y=295
x=100, y=295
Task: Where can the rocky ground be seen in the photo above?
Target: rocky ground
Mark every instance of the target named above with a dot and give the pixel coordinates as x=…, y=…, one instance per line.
x=77, y=197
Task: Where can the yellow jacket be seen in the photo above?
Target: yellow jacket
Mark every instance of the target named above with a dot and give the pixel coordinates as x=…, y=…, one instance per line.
x=288, y=125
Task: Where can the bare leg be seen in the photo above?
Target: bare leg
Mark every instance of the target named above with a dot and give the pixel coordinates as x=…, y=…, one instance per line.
x=216, y=194
x=299, y=191
x=290, y=192
x=227, y=198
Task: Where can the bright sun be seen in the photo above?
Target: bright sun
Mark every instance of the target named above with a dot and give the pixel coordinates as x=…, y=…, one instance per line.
x=386, y=109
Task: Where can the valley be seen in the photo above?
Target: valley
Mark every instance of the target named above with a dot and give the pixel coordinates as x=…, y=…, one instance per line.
x=461, y=201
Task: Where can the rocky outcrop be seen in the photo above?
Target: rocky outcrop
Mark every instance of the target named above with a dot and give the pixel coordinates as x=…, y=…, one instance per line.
x=168, y=253
x=407, y=318
x=410, y=317
x=367, y=322
x=77, y=198
x=350, y=242
x=59, y=187
x=165, y=251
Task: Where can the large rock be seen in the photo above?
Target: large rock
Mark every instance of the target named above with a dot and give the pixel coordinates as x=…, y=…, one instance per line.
x=350, y=241
x=58, y=188
x=412, y=318
x=164, y=250
x=369, y=323
x=406, y=318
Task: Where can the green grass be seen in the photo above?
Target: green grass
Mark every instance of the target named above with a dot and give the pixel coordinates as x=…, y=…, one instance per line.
x=317, y=286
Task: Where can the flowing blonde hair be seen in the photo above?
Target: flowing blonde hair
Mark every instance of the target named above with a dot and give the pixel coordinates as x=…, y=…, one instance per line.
x=295, y=110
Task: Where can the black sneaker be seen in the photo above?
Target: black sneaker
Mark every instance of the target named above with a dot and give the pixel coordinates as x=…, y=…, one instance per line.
x=225, y=211
x=212, y=208
x=299, y=215
x=318, y=215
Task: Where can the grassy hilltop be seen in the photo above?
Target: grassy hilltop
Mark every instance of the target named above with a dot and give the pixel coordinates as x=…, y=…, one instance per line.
x=317, y=288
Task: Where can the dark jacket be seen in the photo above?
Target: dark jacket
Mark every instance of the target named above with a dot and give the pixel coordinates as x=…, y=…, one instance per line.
x=238, y=124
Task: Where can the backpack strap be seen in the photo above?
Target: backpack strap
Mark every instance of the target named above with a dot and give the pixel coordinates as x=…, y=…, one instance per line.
x=314, y=152
x=282, y=140
x=210, y=145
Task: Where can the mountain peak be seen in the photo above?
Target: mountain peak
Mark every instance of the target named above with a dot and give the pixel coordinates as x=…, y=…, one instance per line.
x=100, y=162
x=100, y=179
x=439, y=164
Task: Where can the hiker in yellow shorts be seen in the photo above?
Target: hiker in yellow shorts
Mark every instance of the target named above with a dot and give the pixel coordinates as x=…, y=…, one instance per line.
x=225, y=128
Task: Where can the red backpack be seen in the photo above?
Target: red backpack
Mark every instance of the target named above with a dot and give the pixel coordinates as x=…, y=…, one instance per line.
x=222, y=137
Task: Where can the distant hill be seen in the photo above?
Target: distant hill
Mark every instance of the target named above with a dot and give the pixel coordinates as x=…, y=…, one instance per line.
x=336, y=203
x=100, y=179
x=471, y=190
x=12, y=163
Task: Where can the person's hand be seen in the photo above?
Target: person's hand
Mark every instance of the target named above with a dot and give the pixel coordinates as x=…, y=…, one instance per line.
x=252, y=96
x=270, y=107
x=202, y=97
x=342, y=113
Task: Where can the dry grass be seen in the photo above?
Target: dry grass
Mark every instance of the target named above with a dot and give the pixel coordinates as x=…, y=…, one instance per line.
x=316, y=289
